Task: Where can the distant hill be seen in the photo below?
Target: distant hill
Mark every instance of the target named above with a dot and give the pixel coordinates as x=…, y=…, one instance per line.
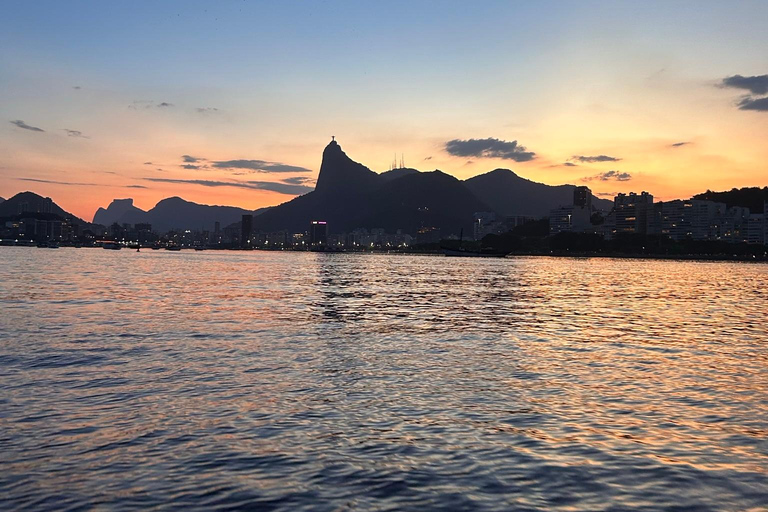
x=29, y=202
x=509, y=194
x=171, y=213
x=753, y=198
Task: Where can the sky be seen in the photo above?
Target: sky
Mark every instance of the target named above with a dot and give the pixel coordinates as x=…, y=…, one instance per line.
x=232, y=102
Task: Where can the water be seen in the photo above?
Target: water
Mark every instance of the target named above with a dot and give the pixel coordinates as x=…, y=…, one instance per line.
x=301, y=381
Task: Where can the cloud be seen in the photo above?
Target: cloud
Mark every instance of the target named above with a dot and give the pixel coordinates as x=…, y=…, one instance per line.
x=258, y=166
x=191, y=159
x=428, y=158
x=77, y=87
x=147, y=104
x=298, y=180
x=757, y=104
x=281, y=188
x=679, y=144
x=75, y=133
x=148, y=163
x=489, y=148
x=753, y=84
x=135, y=186
x=206, y=110
x=570, y=164
x=22, y=124
x=190, y=166
x=609, y=176
x=35, y=180
x=596, y=158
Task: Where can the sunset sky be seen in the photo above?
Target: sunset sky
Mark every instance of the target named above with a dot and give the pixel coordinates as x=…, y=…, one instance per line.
x=233, y=102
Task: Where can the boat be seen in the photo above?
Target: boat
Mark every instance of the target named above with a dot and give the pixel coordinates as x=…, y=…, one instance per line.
x=111, y=245
x=463, y=252
x=173, y=248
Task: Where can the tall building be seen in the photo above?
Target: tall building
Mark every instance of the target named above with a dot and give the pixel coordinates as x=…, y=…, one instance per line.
x=318, y=232
x=633, y=212
x=246, y=226
x=576, y=217
x=582, y=196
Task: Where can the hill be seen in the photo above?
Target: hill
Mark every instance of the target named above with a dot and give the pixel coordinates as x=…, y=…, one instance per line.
x=171, y=213
x=509, y=194
x=349, y=196
x=753, y=198
x=29, y=202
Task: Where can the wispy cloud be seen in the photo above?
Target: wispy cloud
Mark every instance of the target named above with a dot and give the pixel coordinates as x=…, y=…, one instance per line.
x=609, y=176
x=757, y=104
x=679, y=144
x=190, y=166
x=754, y=84
x=22, y=124
x=297, y=180
x=148, y=104
x=595, y=158
x=135, y=186
x=281, y=188
x=191, y=159
x=259, y=166
x=489, y=148
x=54, y=182
x=75, y=133
x=148, y=163
x=206, y=110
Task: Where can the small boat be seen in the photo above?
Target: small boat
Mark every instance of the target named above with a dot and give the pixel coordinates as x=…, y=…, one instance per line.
x=111, y=245
x=463, y=252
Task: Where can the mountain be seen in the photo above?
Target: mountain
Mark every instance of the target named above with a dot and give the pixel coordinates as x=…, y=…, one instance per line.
x=121, y=211
x=753, y=198
x=29, y=202
x=509, y=194
x=349, y=196
x=171, y=213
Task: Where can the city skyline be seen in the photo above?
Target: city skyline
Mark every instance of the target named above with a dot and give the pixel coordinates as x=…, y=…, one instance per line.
x=657, y=97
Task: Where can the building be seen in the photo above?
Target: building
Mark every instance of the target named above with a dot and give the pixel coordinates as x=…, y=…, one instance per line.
x=755, y=232
x=246, y=228
x=633, y=213
x=318, y=233
x=575, y=217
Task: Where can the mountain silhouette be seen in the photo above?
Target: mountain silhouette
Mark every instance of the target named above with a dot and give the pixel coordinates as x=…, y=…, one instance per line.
x=29, y=202
x=171, y=213
x=121, y=211
x=349, y=196
x=509, y=194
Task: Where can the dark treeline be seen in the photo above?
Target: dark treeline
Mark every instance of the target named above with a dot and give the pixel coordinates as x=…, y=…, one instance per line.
x=749, y=197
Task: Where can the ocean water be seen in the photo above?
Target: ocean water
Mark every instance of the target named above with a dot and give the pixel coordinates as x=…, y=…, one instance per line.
x=302, y=381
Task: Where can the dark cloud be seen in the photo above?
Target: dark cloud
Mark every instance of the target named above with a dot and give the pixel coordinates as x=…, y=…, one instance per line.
x=190, y=166
x=753, y=84
x=489, y=148
x=597, y=158
x=147, y=104
x=206, y=110
x=135, y=186
x=758, y=104
x=191, y=159
x=77, y=87
x=428, y=158
x=35, y=180
x=258, y=166
x=570, y=164
x=281, y=188
x=609, y=176
x=679, y=144
x=22, y=124
x=148, y=163
x=75, y=133
x=298, y=180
